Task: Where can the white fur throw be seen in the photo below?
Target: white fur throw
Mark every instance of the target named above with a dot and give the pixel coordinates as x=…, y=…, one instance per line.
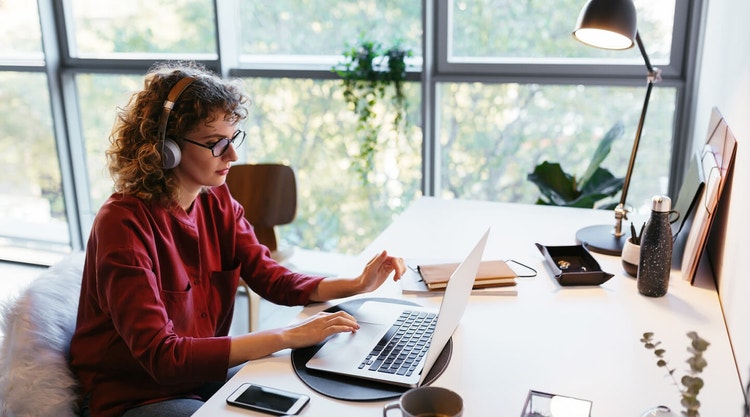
x=35, y=379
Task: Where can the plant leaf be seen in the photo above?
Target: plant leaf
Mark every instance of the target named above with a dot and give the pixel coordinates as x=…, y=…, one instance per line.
x=605, y=145
x=585, y=201
x=554, y=183
x=697, y=363
x=563, y=189
x=603, y=182
x=699, y=344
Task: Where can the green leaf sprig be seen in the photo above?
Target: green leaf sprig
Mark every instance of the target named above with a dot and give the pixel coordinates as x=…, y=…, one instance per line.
x=691, y=383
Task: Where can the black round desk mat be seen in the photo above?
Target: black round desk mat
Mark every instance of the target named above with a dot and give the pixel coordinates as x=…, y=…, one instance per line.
x=356, y=389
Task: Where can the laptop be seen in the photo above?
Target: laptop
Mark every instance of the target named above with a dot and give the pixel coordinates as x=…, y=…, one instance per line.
x=370, y=353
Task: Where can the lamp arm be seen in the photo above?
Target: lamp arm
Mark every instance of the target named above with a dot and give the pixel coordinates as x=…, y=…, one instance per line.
x=654, y=75
x=643, y=52
x=636, y=142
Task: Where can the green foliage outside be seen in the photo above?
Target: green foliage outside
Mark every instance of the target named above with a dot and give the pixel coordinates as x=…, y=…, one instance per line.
x=335, y=211
x=489, y=134
x=27, y=148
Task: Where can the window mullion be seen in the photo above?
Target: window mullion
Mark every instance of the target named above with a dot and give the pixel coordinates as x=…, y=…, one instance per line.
x=74, y=183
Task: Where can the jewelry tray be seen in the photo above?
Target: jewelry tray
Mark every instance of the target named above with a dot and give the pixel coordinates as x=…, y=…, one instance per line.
x=573, y=265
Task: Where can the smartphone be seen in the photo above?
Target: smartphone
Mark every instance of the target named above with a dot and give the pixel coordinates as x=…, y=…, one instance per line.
x=267, y=399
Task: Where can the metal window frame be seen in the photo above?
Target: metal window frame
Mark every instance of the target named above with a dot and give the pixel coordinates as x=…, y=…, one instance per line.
x=61, y=67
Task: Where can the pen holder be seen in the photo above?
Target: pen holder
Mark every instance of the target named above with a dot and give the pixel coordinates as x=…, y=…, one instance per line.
x=631, y=254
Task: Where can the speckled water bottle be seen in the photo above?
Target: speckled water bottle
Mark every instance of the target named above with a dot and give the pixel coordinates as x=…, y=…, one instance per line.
x=655, y=261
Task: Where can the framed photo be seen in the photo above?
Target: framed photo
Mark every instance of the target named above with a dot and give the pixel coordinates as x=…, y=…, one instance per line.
x=715, y=162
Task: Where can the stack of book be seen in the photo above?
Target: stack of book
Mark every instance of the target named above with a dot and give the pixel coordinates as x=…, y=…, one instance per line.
x=490, y=274
x=432, y=277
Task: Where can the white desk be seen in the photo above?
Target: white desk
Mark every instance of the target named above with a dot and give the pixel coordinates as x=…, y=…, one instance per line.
x=576, y=341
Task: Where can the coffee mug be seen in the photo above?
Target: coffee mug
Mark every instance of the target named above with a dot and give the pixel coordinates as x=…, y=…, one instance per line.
x=428, y=402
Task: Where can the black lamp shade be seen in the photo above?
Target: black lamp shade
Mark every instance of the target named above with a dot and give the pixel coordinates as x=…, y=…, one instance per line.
x=608, y=24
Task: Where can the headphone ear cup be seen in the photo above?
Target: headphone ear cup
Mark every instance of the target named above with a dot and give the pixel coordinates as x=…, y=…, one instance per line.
x=171, y=154
x=170, y=150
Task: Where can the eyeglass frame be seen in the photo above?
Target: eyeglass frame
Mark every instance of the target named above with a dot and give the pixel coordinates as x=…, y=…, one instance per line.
x=230, y=141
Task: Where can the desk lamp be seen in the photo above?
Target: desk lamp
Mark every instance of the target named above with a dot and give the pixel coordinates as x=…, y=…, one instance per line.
x=611, y=24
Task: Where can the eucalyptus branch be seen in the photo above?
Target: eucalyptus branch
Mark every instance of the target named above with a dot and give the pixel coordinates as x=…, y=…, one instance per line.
x=691, y=383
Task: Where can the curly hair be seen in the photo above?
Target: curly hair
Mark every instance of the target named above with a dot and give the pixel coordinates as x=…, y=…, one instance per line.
x=134, y=156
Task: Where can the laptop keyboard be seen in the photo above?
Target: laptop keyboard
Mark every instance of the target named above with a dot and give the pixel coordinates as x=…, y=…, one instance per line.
x=403, y=346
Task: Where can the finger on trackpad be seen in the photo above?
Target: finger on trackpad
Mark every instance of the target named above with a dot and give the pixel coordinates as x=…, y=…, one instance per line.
x=366, y=334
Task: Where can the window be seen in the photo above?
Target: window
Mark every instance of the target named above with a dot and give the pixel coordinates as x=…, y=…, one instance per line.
x=317, y=31
x=31, y=197
x=571, y=95
x=313, y=133
x=19, y=30
x=305, y=122
x=493, y=135
x=500, y=31
x=506, y=84
x=137, y=28
x=31, y=188
x=100, y=95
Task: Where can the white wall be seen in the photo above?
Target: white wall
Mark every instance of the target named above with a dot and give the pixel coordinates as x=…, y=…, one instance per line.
x=724, y=82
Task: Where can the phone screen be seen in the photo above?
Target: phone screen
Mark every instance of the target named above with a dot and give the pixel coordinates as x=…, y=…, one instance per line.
x=268, y=399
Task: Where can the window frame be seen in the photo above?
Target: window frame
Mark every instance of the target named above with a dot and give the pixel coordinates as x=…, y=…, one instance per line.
x=576, y=70
x=61, y=69
x=679, y=73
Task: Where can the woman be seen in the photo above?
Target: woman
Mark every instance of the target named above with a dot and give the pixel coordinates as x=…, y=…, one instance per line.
x=166, y=252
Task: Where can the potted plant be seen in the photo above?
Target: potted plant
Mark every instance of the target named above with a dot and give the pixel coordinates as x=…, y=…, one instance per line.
x=559, y=188
x=690, y=383
x=370, y=73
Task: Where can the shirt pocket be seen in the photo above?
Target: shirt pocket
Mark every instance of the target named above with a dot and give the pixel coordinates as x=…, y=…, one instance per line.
x=223, y=290
x=222, y=295
x=180, y=308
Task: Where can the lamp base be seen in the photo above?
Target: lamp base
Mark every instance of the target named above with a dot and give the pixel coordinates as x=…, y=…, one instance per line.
x=600, y=239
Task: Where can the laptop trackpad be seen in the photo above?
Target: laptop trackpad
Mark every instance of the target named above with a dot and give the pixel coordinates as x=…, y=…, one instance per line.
x=357, y=344
x=345, y=351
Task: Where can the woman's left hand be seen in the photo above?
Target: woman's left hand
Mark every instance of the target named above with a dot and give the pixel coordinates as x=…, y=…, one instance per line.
x=378, y=269
x=375, y=273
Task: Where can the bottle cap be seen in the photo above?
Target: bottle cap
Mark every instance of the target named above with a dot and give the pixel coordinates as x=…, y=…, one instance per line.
x=661, y=203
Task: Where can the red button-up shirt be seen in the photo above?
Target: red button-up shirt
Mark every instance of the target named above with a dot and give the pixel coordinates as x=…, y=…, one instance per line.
x=158, y=294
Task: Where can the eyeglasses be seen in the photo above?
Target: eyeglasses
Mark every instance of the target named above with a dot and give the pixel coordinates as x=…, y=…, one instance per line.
x=220, y=147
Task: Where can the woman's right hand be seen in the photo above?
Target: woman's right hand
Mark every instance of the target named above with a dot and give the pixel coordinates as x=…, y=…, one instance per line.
x=317, y=328
x=308, y=332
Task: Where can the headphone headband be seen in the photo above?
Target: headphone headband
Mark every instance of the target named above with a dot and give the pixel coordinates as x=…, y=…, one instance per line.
x=172, y=97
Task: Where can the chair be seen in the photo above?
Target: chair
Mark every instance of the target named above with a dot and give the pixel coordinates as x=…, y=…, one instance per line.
x=268, y=192
x=35, y=379
x=36, y=328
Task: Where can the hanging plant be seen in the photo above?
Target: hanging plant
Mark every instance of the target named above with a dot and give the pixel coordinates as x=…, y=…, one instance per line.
x=367, y=72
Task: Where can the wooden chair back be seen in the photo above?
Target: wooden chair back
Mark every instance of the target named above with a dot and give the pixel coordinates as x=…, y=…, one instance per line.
x=268, y=192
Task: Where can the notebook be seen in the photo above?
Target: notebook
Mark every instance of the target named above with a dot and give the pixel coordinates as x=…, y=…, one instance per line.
x=363, y=354
x=491, y=274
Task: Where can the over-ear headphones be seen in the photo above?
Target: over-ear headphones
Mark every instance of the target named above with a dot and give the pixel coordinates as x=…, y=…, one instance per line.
x=170, y=151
